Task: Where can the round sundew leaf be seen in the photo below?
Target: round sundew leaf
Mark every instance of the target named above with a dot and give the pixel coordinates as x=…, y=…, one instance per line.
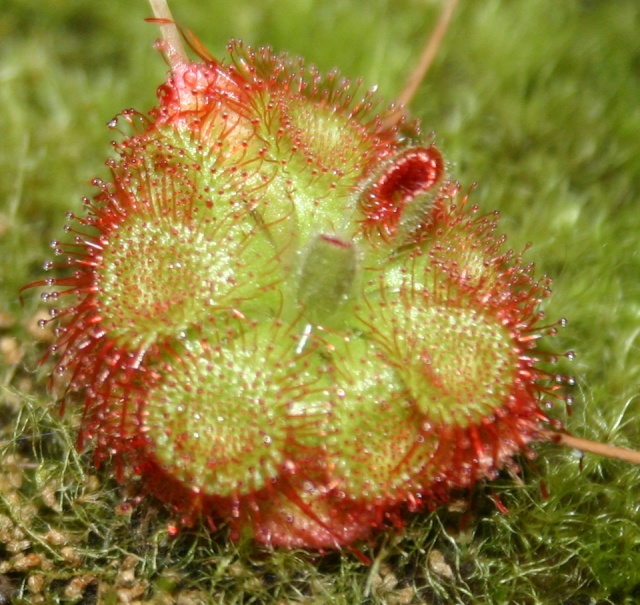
x=223, y=160
x=304, y=513
x=304, y=198
x=325, y=140
x=321, y=136
x=377, y=428
x=458, y=362
x=469, y=248
x=232, y=414
x=159, y=277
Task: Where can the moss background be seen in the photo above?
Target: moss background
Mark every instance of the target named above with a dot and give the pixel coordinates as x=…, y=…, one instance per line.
x=538, y=102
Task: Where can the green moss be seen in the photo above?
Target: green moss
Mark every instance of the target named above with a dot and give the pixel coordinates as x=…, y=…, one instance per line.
x=537, y=103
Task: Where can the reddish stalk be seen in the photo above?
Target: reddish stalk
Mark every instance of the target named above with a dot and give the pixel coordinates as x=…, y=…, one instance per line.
x=593, y=447
x=172, y=47
x=429, y=53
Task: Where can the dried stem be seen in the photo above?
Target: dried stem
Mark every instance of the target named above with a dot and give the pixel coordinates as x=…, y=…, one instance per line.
x=427, y=57
x=173, y=48
x=594, y=447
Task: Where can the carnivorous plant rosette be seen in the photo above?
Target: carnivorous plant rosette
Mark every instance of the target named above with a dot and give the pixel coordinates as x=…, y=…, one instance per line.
x=281, y=312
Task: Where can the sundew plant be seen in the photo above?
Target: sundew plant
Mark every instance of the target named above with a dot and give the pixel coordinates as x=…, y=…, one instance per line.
x=522, y=102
